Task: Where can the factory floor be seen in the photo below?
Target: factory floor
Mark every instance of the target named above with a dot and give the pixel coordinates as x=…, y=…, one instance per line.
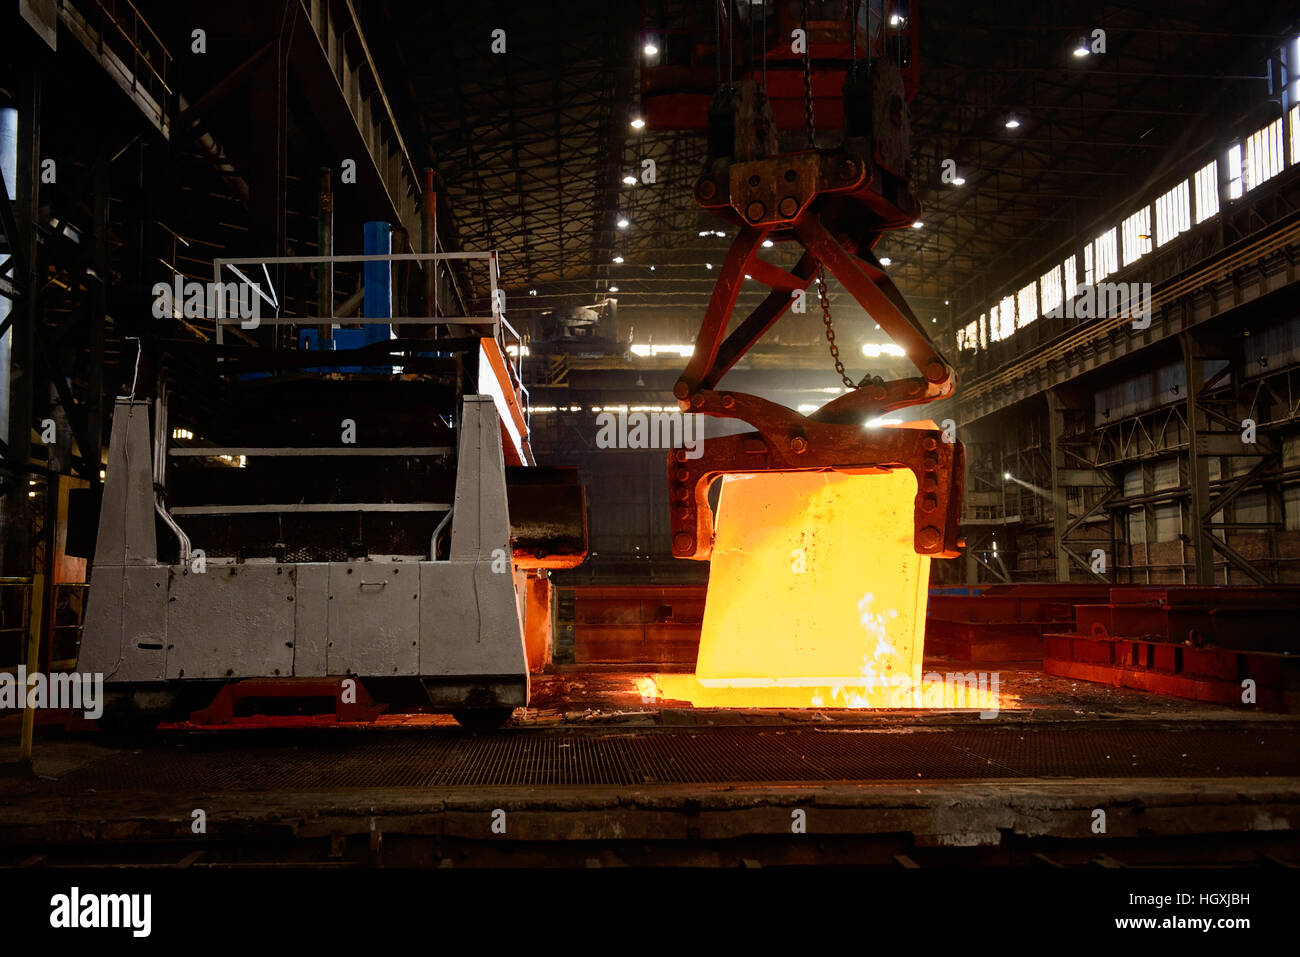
x=595, y=773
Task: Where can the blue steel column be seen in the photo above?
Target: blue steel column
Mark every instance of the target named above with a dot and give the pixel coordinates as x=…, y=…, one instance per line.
x=377, y=303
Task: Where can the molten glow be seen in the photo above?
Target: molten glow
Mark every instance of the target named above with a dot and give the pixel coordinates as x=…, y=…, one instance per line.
x=816, y=596
x=947, y=690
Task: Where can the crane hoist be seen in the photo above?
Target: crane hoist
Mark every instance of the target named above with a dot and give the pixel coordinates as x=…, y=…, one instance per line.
x=825, y=526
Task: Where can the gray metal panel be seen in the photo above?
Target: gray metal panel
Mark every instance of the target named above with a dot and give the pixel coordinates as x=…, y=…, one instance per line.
x=469, y=622
x=235, y=621
x=126, y=520
x=101, y=642
x=521, y=598
x=374, y=618
x=129, y=624
x=311, y=621
x=469, y=611
x=128, y=595
x=144, y=633
x=481, y=522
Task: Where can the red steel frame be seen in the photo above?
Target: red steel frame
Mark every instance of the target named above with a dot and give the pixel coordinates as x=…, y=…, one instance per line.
x=823, y=200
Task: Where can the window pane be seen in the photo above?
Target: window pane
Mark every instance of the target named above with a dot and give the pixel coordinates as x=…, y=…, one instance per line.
x=1027, y=300
x=1168, y=523
x=1106, y=252
x=1173, y=213
x=1007, y=316
x=1137, y=235
x=1234, y=172
x=1051, y=283
x=1207, y=191
x=1291, y=506
x=1263, y=154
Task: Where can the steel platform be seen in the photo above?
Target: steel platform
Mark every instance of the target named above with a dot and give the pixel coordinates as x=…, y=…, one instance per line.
x=672, y=786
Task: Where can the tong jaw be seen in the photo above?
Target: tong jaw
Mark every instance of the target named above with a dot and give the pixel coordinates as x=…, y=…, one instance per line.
x=822, y=199
x=786, y=441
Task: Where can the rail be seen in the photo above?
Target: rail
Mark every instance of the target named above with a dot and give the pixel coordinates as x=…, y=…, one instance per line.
x=15, y=619
x=115, y=33
x=254, y=270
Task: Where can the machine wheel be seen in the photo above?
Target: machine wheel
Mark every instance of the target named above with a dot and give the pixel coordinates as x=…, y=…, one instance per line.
x=482, y=719
x=126, y=724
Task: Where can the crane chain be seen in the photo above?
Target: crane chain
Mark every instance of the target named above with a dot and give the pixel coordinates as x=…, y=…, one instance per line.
x=821, y=269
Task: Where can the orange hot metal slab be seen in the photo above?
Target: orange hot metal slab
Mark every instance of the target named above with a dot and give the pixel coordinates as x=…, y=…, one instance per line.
x=816, y=594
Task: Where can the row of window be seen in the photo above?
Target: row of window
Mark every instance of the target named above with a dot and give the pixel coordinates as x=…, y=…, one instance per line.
x=1191, y=202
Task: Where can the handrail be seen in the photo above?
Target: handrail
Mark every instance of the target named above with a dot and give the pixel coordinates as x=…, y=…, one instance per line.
x=502, y=330
x=490, y=257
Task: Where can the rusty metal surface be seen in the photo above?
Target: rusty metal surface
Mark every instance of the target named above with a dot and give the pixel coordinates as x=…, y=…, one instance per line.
x=449, y=758
x=823, y=200
x=787, y=442
x=775, y=190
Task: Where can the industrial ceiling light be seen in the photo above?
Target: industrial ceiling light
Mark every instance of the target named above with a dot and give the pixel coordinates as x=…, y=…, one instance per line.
x=918, y=224
x=629, y=180
x=767, y=244
x=623, y=223
x=708, y=265
x=613, y=288
x=1082, y=49
x=1007, y=476
x=1012, y=122
x=934, y=318
x=650, y=48
x=896, y=21
x=959, y=181
x=532, y=292
x=618, y=259
x=638, y=123
x=885, y=261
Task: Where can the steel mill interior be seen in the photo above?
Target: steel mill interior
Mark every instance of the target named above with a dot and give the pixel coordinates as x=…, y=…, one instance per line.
x=666, y=433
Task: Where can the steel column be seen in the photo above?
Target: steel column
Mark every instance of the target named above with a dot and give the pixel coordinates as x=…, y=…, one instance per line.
x=17, y=517
x=1059, y=499
x=325, y=247
x=1198, y=465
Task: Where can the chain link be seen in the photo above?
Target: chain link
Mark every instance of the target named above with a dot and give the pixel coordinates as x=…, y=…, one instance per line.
x=821, y=270
x=830, y=329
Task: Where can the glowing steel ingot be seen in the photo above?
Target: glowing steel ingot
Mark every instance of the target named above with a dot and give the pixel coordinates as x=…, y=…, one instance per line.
x=815, y=585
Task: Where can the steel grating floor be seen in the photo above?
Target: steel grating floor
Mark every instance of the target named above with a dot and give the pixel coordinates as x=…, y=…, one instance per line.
x=436, y=758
